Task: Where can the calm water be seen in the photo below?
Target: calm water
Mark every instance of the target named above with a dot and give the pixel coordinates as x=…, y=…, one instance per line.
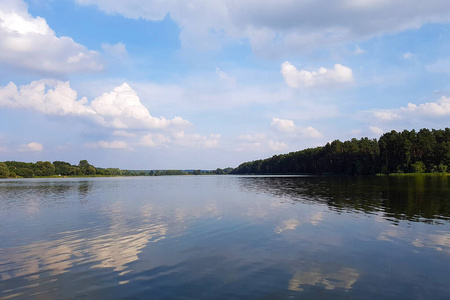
x=225, y=237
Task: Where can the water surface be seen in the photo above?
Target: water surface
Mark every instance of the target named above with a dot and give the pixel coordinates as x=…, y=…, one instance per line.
x=225, y=237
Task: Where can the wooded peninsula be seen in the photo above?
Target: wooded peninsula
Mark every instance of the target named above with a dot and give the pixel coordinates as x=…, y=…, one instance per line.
x=425, y=151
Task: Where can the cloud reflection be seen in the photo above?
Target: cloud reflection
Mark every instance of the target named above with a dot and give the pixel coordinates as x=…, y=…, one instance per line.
x=287, y=225
x=439, y=241
x=292, y=224
x=115, y=249
x=341, y=277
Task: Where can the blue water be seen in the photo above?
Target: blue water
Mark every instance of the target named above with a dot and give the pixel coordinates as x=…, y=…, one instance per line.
x=225, y=237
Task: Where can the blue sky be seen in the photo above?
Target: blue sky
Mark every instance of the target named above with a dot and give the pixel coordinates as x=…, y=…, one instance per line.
x=205, y=84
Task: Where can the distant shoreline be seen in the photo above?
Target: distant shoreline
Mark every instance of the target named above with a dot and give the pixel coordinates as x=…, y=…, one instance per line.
x=262, y=175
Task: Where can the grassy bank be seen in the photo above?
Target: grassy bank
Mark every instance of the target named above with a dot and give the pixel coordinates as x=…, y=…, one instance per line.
x=415, y=174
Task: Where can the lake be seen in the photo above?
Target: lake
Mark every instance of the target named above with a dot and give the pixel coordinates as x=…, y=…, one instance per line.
x=225, y=237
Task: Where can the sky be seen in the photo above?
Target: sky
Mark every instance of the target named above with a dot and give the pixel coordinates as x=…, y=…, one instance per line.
x=206, y=84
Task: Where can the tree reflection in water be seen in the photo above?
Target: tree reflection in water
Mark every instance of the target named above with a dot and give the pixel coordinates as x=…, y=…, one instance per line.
x=417, y=199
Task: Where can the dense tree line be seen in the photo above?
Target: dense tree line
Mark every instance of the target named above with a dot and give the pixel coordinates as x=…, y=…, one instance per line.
x=16, y=169
x=45, y=168
x=395, y=152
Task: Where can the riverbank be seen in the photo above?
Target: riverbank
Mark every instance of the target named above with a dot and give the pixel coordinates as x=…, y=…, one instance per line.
x=415, y=174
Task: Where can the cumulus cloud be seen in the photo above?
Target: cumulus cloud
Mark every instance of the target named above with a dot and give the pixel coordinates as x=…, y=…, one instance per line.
x=432, y=109
x=428, y=110
x=108, y=145
x=29, y=43
x=386, y=115
x=180, y=138
x=288, y=126
x=123, y=133
x=45, y=96
x=122, y=108
x=277, y=146
x=274, y=27
x=283, y=129
x=283, y=125
x=196, y=140
x=259, y=142
x=294, y=78
x=118, y=109
x=376, y=130
x=154, y=140
x=31, y=147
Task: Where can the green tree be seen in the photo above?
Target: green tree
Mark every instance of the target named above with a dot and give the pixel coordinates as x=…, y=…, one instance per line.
x=4, y=170
x=44, y=168
x=86, y=168
x=418, y=167
x=25, y=172
x=74, y=170
x=219, y=171
x=62, y=168
x=442, y=168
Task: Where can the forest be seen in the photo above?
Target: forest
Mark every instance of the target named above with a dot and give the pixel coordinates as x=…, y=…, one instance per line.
x=425, y=151
x=16, y=169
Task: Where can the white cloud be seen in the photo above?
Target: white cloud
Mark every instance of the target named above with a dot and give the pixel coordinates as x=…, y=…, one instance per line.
x=118, y=109
x=122, y=108
x=255, y=138
x=283, y=125
x=29, y=43
x=154, y=140
x=259, y=142
x=283, y=129
x=310, y=132
x=408, y=55
x=123, y=133
x=376, y=130
x=296, y=79
x=386, y=115
x=277, y=146
x=196, y=140
x=46, y=96
x=358, y=50
x=355, y=132
x=118, y=50
x=31, y=147
x=180, y=138
x=225, y=77
x=276, y=28
x=108, y=145
x=288, y=126
x=432, y=109
x=428, y=110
